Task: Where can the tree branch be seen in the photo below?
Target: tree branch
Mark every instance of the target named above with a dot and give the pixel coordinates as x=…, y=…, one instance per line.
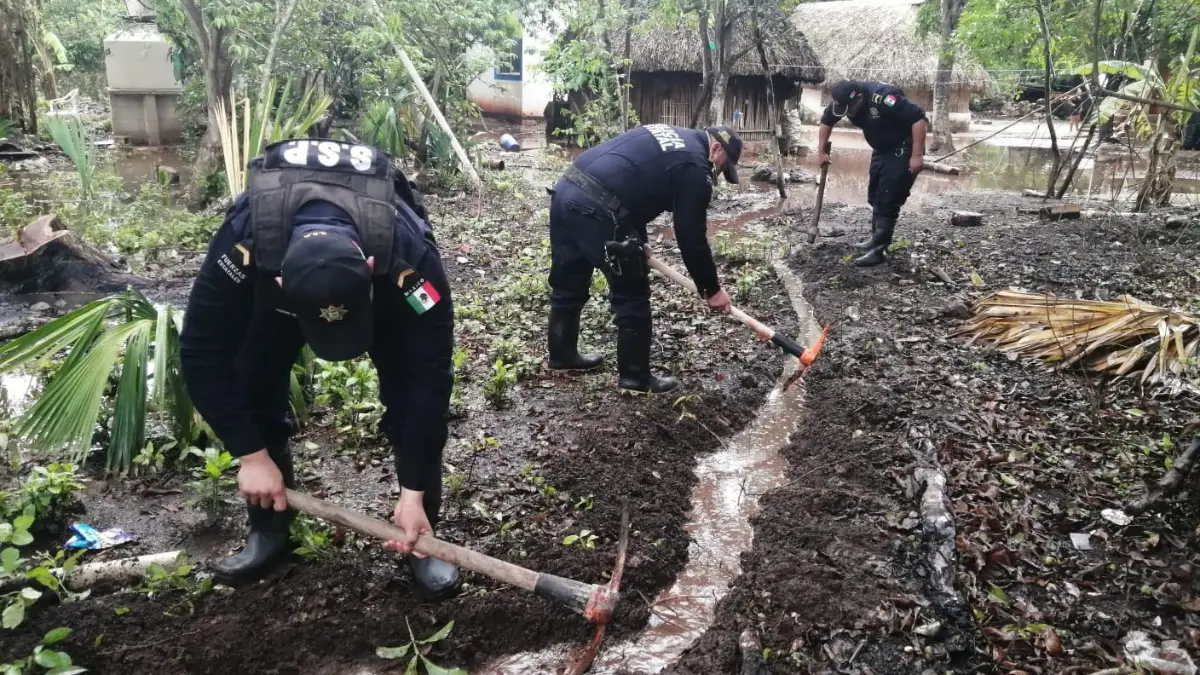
x=281, y=24
x=195, y=19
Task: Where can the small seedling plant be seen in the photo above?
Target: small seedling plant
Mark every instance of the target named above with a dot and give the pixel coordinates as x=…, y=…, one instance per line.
x=499, y=384
x=48, y=490
x=162, y=580
x=53, y=662
x=585, y=539
x=314, y=538
x=419, y=650
x=212, y=484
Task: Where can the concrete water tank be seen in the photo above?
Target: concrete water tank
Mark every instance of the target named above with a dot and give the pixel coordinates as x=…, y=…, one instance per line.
x=142, y=87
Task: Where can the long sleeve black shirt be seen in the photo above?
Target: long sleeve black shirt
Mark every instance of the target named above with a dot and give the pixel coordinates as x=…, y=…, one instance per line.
x=411, y=351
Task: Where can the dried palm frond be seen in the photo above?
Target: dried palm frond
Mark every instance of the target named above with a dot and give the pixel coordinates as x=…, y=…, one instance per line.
x=1123, y=337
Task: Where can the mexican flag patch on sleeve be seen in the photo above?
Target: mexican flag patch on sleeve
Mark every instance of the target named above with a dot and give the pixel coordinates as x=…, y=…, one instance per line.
x=889, y=100
x=423, y=297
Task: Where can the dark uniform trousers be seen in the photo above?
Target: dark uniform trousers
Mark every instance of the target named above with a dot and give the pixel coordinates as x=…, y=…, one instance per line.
x=270, y=349
x=578, y=229
x=891, y=181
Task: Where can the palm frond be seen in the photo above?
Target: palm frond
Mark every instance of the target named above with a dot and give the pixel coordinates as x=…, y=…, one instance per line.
x=129, y=414
x=65, y=415
x=70, y=135
x=74, y=329
x=1123, y=337
x=264, y=123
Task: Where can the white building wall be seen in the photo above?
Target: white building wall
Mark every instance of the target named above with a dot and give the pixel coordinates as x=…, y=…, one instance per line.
x=523, y=94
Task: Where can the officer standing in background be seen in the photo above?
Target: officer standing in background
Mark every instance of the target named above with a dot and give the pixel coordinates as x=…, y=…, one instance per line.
x=329, y=247
x=895, y=129
x=598, y=216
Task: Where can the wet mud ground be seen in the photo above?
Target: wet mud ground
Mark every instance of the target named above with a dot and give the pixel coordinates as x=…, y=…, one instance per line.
x=837, y=580
x=555, y=460
x=837, y=577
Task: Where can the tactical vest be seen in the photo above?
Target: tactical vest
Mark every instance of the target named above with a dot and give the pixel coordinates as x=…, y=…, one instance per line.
x=358, y=178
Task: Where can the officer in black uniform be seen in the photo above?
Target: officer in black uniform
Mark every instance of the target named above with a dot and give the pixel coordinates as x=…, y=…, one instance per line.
x=329, y=247
x=598, y=216
x=895, y=129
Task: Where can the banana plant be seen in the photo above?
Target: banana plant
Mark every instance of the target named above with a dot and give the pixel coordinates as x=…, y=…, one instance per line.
x=124, y=330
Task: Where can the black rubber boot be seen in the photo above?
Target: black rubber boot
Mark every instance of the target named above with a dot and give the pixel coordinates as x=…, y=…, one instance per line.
x=633, y=362
x=563, y=343
x=878, y=253
x=873, y=240
x=436, y=579
x=268, y=541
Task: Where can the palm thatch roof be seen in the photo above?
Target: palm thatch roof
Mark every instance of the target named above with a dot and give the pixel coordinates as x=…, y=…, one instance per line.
x=877, y=40
x=655, y=48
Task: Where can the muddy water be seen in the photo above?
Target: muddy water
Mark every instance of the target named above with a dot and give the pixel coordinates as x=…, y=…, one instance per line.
x=723, y=501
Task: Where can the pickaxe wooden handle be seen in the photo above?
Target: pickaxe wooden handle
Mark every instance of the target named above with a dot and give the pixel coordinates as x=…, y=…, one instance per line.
x=812, y=229
x=594, y=603
x=764, y=331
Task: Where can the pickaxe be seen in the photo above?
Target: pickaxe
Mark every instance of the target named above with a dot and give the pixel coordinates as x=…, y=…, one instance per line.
x=765, y=332
x=595, y=603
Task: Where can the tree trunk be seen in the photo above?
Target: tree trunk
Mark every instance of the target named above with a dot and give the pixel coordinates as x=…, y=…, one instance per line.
x=706, y=70
x=18, y=97
x=1053, y=179
x=628, y=63
x=943, y=140
x=778, y=134
x=716, y=105
x=218, y=79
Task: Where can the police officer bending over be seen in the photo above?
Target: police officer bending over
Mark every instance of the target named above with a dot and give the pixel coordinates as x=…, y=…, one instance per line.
x=895, y=129
x=328, y=247
x=598, y=216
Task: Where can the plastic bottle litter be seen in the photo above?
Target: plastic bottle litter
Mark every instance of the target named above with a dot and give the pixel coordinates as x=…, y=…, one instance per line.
x=509, y=143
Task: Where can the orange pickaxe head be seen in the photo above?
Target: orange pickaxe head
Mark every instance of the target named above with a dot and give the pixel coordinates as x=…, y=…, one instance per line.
x=807, y=357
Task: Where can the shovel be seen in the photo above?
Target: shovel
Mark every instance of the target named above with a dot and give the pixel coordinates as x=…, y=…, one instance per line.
x=812, y=229
x=765, y=332
x=595, y=603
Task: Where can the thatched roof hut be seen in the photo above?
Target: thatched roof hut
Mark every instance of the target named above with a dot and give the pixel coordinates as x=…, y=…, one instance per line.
x=877, y=40
x=676, y=49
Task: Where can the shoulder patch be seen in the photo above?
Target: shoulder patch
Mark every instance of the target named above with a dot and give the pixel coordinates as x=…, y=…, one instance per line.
x=235, y=263
x=889, y=100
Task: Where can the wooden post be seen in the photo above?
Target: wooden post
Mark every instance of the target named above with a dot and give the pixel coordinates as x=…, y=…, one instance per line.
x=463, y=160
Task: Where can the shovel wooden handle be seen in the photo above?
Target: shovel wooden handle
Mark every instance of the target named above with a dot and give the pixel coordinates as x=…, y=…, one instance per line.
x=580, y=597
x=812, y=228
x=764, y=331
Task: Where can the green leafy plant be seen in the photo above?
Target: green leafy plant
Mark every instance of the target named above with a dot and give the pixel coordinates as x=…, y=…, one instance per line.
x=6, y=128
x=70, y=135
x=51, y=572
x=459, y=361
x=585, y=539
x=213, y=483
x=497, y=388
x=314, y=538
x=744, y=288
x=419, y=650
x=54, y=662
x=65, y=415
x=152, y=459
x=14, y=535
x=48, y=493
x=177, y=577
x=351, y=388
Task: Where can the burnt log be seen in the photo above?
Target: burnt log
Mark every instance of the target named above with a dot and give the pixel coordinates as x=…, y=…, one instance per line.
x=48, y=258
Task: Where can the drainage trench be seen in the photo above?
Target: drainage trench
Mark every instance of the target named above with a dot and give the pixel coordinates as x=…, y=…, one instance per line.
x=723, y=502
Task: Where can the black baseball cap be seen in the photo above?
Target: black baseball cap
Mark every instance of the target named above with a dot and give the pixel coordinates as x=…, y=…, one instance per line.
x=845, y=92
x=328, y=285
x=733, y=150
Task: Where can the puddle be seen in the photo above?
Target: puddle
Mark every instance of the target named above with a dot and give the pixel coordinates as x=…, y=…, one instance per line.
x=723, y=501
x=16, y=393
